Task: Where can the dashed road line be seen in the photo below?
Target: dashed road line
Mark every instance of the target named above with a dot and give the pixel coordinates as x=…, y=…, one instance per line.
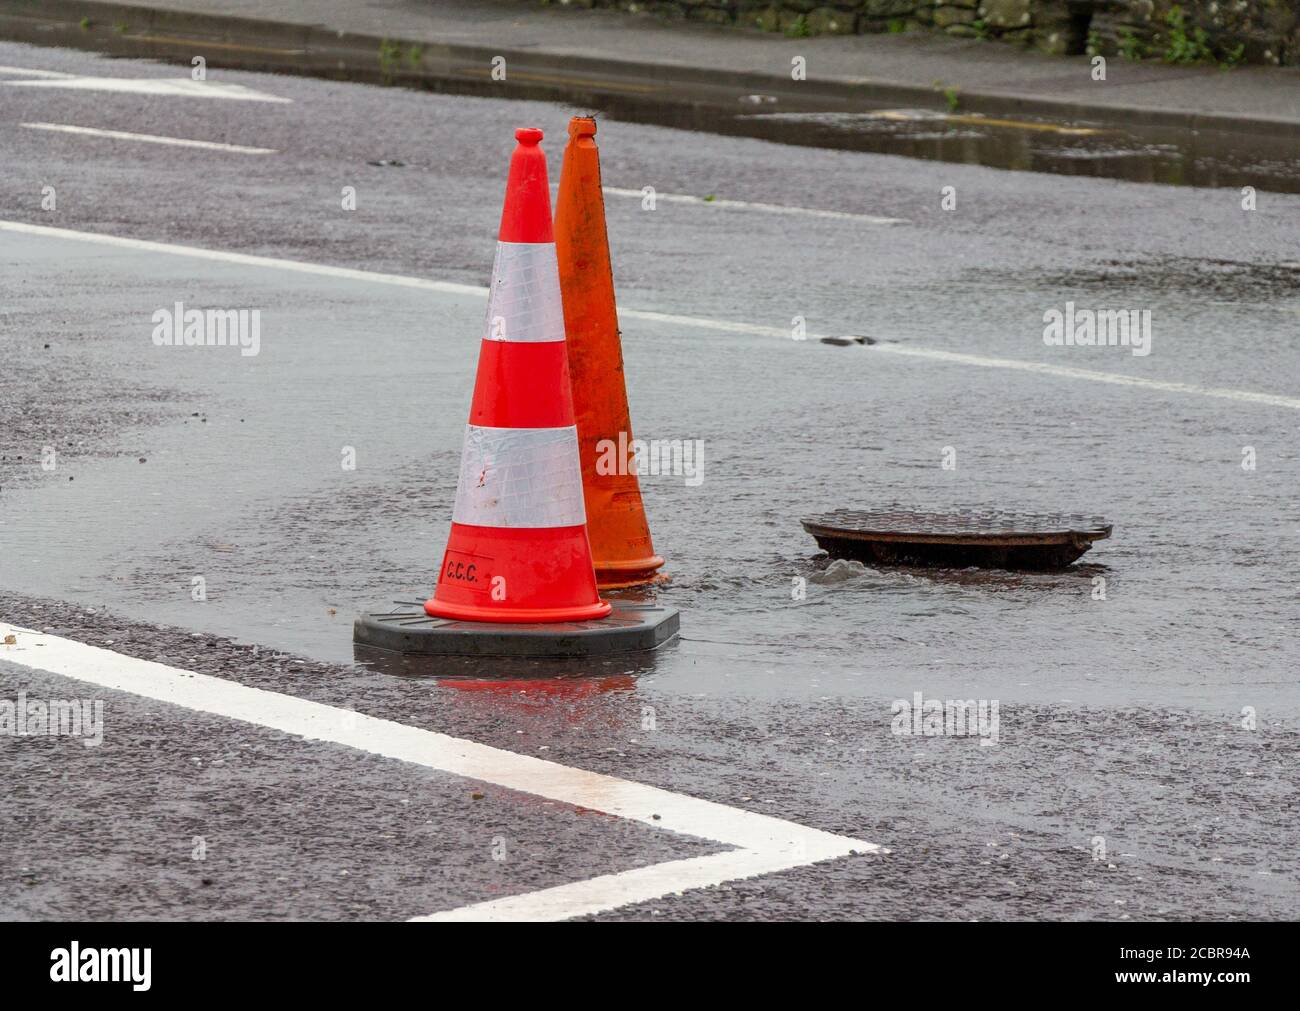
x=148, y=138
x=763, y=844
x=694, y=322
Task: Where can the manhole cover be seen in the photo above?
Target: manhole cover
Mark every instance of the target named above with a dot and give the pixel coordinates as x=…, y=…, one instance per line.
x=989, y=538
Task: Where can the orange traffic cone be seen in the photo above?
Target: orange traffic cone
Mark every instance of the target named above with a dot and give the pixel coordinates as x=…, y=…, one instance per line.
x=619, y=532
x=518, y=549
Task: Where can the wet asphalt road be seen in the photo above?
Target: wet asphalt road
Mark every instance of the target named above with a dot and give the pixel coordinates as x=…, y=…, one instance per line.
x=1133, y=703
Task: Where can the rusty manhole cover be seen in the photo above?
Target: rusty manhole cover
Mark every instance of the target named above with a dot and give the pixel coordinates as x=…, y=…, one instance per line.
x=989, y=538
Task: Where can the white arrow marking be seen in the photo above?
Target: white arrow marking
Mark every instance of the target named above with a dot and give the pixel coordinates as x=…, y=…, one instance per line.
x=763, y=844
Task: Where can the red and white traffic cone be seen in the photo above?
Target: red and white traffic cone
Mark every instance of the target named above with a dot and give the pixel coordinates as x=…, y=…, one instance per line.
x=518, y=550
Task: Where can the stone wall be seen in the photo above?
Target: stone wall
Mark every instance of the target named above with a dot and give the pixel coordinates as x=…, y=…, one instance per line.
x=1176, y=31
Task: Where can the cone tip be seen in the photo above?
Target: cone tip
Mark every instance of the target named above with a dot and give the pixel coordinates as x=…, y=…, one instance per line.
x=528, y=135
x=582, y=126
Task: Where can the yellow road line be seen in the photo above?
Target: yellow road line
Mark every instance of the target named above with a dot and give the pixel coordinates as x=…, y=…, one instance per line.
x=904, y=116
x=586, y=82
x=205, y=44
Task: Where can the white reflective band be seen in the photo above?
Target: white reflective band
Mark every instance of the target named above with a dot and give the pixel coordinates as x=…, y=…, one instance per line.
x=524, y=301
x=520, y=477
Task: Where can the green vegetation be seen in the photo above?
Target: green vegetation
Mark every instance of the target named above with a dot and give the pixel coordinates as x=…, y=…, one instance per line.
x=896, y=26
x=1130, y=46
x=390, y=59
x=85, y=24
x=981, y=28
x=1180, y=43
x=799, y=28
x=414, y=55
x=1185, y=46
x=1233, y=57
x=953, y=98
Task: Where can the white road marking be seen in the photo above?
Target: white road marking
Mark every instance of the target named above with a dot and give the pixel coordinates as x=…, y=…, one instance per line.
x=1114, y=378
x=148, y=138
x=611, y=891
x=26, y=72
x=246, y=259
x=763, y=844
x=695, y=322
x=699, y=323
x=812, y=212
x=179, y=87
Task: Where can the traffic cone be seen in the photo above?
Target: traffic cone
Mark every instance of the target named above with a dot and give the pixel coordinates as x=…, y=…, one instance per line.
x=616, y=520
x=518, y=549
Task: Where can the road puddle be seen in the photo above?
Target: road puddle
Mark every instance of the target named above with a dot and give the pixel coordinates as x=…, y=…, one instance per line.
x=1146, y=154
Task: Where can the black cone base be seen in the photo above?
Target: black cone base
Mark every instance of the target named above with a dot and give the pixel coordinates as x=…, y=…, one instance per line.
x=405, y=628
